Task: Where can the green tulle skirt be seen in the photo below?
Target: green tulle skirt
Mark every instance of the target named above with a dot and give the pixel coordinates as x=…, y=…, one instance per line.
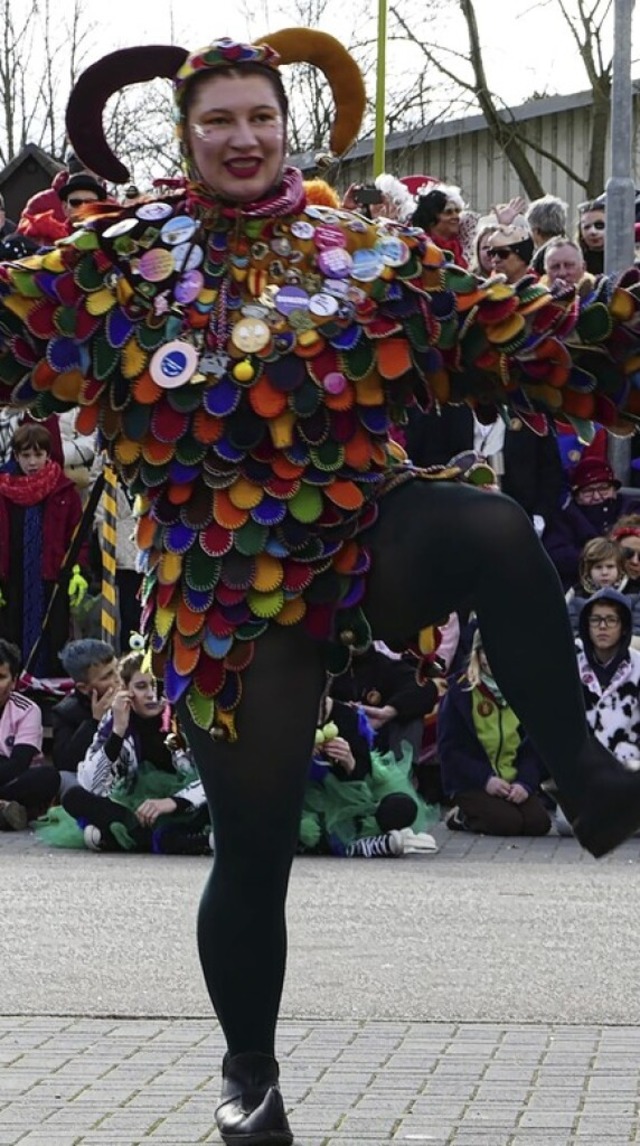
x=345, y=810
x=60, y=830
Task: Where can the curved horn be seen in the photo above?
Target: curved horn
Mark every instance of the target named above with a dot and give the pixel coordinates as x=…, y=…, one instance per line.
x=305, y=45
x=94, y=87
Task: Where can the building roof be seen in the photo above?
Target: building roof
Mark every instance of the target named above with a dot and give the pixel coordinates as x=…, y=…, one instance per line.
x=463, y=125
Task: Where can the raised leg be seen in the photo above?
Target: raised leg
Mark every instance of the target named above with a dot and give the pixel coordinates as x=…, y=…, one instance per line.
x=437, y=547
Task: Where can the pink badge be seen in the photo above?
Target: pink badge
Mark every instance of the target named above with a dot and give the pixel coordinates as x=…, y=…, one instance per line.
x=326, y=237
x=334, y=383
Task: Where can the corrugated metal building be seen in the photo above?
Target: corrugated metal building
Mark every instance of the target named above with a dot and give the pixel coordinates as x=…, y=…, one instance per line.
x=462, y=152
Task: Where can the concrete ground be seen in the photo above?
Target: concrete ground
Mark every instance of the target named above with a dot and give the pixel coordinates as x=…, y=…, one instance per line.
x=484, y=996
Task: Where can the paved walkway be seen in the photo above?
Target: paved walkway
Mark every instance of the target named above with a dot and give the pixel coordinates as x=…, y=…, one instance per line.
x=120, y=1083
x=101, y=1081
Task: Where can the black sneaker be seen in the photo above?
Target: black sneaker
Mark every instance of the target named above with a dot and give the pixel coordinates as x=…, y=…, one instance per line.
x=182, y=842
x=455, y=821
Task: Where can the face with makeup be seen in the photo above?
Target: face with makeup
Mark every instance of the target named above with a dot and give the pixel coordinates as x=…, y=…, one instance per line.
x=592, y=226
x=236, y=135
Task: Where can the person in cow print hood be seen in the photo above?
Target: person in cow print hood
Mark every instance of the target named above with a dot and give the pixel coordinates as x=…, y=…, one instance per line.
x=610, y=673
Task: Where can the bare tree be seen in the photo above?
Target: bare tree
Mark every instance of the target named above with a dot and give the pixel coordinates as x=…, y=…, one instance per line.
x=465, y=71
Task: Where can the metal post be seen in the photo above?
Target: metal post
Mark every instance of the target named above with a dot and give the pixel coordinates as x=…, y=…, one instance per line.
x=381, y=83
x=619, y=233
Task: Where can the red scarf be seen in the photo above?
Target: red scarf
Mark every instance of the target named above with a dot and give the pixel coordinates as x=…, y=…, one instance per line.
x=23, y=490
x=288, y=199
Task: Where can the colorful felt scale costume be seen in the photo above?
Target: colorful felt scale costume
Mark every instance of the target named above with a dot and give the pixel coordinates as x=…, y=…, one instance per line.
x=243, y=367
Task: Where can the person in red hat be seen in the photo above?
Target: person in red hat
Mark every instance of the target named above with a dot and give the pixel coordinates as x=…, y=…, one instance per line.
x=592, y=508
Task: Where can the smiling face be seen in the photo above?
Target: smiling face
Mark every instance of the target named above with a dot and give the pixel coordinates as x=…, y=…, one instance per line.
x=236, y=135
x=447, y=225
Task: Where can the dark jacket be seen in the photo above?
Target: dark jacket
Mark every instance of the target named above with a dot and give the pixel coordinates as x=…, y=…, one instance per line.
x=533, y=471
x=464, y=764
x=377, y=679
x=569, y=529
x=73, y=729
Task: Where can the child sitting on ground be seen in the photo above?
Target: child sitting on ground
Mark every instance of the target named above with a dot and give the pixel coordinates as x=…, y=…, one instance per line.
x=137, y=790
x=357, y=801
x=601, y=567
x=490, y=769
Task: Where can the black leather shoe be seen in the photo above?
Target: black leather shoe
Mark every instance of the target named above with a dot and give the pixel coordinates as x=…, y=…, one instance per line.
x=609, y=809
x=251, y=1111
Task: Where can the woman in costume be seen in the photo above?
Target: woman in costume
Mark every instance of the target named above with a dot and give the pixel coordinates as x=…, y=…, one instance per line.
x=243, y=355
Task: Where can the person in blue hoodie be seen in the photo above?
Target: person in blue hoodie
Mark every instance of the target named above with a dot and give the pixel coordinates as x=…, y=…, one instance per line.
x=489, y=767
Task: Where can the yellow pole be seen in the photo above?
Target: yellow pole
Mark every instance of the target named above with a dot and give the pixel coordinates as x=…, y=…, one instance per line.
x=109, y=617
x=381, y=83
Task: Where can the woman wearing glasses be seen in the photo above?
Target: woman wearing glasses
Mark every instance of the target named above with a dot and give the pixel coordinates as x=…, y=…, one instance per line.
x=438, y=213
x=510, y=251
x=593, y=507
x=591, y=229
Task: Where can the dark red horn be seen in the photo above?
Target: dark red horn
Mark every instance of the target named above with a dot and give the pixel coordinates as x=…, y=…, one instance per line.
x=94, y=87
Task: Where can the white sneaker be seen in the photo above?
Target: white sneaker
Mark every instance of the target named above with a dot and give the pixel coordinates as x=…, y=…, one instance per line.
x=92, y=838
x=418, y=843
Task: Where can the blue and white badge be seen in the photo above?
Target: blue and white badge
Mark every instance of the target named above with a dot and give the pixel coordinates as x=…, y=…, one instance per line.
x=178, y=230
x=186, y=257
x=174, y=364
x=154, y=212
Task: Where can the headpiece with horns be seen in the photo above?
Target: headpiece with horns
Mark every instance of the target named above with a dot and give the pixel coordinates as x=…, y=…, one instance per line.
x=139, y=65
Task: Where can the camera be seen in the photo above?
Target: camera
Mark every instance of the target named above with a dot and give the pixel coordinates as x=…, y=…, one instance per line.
x=367, y=196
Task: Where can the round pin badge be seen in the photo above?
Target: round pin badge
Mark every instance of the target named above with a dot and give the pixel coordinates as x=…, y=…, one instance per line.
x=188, y=287
x=323, y=305
x=281, y=247
x=335, y=262
x=122, y=227
x=337, y=287
x=250, y=335
x=326, y=237
x=302, y=230
x=393, y=252
x=156, y=265
x=153, y=212
x=367, y=265
x=291, y=298
x=178, y=230
x=173, y=364
x=186, y=257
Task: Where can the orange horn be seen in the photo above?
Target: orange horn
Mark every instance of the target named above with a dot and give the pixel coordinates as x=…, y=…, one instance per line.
x=305, y=45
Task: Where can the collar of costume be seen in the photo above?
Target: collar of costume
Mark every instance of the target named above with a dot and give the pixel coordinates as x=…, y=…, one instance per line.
x=287, y=200
x=23, y=490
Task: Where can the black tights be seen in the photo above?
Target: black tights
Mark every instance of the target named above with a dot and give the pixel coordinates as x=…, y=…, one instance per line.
x=436, y=547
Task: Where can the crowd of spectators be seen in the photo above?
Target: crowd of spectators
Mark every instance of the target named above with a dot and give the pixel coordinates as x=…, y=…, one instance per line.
x=105, y=767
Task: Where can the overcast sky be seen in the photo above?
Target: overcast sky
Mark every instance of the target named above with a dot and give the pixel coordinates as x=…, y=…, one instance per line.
x=527, y=46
